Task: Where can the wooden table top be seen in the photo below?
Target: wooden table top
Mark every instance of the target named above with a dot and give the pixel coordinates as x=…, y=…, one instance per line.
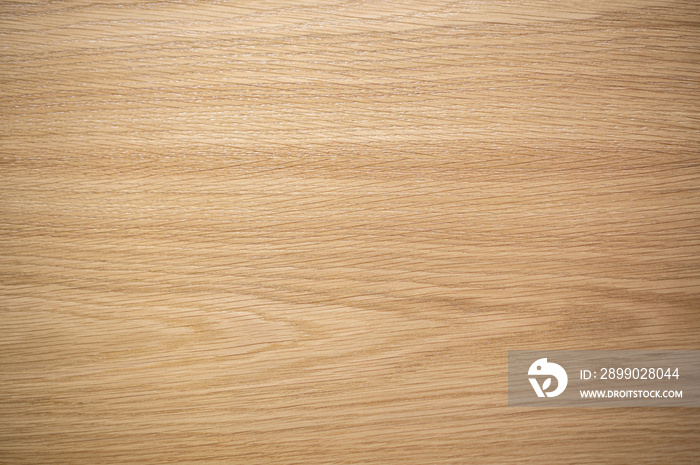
x=296, y=232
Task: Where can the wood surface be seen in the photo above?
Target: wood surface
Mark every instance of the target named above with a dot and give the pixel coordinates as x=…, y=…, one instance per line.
x=308, y=232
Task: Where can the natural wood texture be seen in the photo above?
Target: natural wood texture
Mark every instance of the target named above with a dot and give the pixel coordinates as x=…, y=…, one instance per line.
x=299, y=232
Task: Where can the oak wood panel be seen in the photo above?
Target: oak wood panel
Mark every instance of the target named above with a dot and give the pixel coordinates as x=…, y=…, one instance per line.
x=309, y=232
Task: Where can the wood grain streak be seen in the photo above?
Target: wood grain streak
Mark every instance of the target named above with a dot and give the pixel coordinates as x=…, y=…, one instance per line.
x=305, y=232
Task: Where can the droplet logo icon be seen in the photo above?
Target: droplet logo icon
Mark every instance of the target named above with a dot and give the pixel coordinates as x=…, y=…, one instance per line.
x=542, y=367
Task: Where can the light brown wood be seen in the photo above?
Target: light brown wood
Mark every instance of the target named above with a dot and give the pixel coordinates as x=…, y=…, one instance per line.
x=299, y=232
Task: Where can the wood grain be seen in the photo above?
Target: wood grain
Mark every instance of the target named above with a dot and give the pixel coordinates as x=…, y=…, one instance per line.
x=295, y=232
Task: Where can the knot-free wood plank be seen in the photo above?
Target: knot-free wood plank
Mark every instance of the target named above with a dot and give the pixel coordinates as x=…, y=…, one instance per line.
x=299, y=232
